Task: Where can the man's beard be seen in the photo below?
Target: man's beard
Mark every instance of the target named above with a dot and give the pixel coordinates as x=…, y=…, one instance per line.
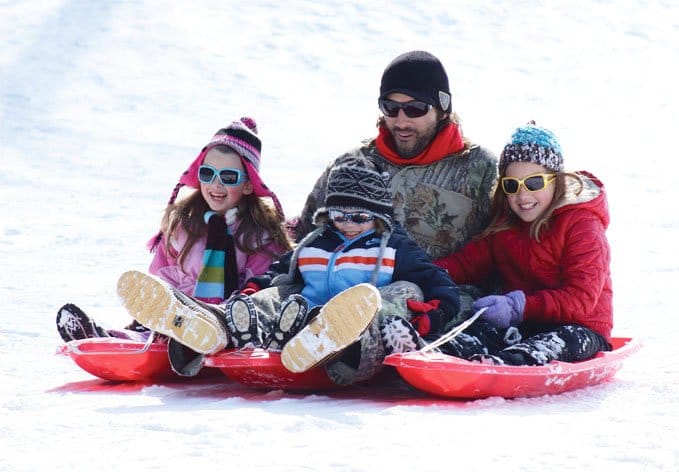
x=420, y=144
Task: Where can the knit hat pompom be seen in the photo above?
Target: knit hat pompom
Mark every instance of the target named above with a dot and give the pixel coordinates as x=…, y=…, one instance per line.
x=532, y=143
x=250, y=123
x=420, y=75
x=357, y=188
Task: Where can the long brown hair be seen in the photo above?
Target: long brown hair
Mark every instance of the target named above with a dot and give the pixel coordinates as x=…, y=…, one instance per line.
x=502, y=217
x=260, y=223
x=260, y=220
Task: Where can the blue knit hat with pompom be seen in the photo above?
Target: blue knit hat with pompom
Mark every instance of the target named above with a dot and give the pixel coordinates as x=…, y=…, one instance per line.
x=532, y=143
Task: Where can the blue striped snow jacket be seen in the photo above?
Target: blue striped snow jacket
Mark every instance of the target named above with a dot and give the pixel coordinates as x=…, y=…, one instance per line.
x=331, y=263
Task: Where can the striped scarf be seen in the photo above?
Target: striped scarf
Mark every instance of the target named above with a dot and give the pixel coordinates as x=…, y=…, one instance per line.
x=219, y=275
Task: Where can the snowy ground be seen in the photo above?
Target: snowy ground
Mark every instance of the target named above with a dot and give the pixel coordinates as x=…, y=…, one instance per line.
x=103, y=104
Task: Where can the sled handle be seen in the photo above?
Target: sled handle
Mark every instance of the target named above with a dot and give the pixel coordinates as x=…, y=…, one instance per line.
x=453, y=332
x=75, y=349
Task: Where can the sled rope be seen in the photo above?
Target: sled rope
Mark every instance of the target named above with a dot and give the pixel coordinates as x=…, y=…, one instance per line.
x=453, y=332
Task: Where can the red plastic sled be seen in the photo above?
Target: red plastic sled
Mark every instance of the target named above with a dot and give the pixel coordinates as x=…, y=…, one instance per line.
x=121, y=359
x=263, y=369
x=448, y=376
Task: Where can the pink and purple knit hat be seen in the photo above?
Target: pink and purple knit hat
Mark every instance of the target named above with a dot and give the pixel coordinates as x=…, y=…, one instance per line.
x=241, y=136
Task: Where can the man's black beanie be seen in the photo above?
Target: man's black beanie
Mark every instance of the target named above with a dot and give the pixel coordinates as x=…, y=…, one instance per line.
x=420, y=75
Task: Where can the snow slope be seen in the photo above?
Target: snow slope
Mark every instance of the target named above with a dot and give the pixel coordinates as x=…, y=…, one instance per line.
x=104, y=104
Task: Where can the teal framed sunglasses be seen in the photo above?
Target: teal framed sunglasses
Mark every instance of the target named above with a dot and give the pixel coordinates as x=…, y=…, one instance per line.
x=227, y=176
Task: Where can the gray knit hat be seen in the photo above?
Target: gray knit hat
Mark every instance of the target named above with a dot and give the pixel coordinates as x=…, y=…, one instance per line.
x=356, y=188
x=350, y=187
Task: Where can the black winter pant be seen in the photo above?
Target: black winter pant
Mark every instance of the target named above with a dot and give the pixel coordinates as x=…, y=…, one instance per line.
x=527, y=344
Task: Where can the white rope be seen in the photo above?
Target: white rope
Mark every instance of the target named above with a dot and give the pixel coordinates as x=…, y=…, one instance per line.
x=453, y=332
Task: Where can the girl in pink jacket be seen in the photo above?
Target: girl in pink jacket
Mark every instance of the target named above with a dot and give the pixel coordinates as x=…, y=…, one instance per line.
x=215, y=238
x=547, y=244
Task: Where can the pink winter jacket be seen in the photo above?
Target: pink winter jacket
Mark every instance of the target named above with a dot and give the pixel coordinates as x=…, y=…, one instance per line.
x=166, y=266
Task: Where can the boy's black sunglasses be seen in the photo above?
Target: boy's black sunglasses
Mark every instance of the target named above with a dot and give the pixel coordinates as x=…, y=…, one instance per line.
x=358, y=217
x=412, y=109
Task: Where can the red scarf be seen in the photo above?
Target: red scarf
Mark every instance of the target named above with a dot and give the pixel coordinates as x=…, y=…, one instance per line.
x=448, y=141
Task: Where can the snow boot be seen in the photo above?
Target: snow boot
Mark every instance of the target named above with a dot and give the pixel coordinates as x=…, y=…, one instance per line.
x=398, y=335
x=241, y=321
x=164, y=309
x=74, y=324
x=339, y=324
x=184, y=360
x=292, y=317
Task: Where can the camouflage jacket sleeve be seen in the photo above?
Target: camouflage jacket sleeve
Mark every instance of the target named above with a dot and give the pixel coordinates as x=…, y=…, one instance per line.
x=304, y=224
x=487, y=179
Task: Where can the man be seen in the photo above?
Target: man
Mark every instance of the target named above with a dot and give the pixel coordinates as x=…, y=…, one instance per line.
x=439, y=181
x=440, y=184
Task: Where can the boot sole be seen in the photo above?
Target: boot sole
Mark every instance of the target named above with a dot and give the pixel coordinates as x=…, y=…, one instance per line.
x=339, y=324
x=80, y=325
x=242, y=322
x=163, y=309
x=292, y=318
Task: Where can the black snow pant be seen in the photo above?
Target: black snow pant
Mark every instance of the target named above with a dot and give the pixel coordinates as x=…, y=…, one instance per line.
x=527, y=344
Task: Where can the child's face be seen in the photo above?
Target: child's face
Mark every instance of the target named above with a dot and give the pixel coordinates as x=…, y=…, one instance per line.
x=529, y=205
x=348, y=228
x=222, y=198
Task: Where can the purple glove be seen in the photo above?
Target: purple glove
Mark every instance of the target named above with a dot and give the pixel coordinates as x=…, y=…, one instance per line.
x=503, y=310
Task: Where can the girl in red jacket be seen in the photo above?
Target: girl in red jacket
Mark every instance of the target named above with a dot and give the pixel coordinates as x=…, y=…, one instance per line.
x=547, y=243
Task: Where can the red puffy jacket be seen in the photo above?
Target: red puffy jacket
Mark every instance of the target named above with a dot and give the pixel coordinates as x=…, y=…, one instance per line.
x=566, y=276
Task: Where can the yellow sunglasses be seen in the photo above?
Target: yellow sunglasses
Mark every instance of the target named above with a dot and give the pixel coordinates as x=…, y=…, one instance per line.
x=532, y=183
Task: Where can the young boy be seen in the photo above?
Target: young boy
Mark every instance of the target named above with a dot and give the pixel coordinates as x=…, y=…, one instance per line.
x=355, y=242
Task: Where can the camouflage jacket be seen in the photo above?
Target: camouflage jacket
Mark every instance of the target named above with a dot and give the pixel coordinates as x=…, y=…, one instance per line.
x=440, y=205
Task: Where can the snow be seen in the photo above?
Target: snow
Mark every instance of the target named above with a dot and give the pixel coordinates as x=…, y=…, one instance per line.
x=103, y=104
